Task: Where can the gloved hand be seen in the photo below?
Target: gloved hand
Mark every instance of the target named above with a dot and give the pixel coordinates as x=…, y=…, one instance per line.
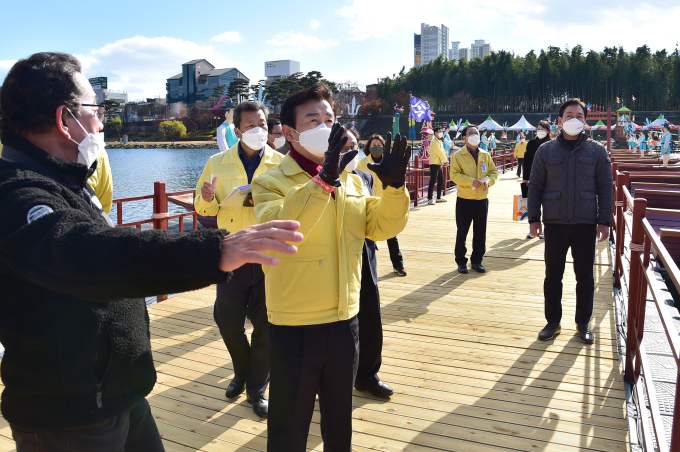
x=332, y=166
x=392, y=168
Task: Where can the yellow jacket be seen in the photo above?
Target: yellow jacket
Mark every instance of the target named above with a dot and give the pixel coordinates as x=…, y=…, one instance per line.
x=437, y=154
x=363, y=166
x=464, y=171
x=102, y=182
x=230, y=173
x=320, y=284
x=520, y=149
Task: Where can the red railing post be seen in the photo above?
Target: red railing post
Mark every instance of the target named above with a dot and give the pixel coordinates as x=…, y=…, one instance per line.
x=160, y=206
x=503, y=162
x=119, y=212
x=609, y=129
x=636, y=305
x=620, y=207
x=416, y=188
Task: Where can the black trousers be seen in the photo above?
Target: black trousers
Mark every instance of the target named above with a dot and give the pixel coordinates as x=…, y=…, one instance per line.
x=132, y=431
x=436, y=175
x=244, y=293
x=519, y=168
x=395, y=253
x=370, y=331
x=581, y=238
x=306, y=360
x=475, y=212
x=525, y=189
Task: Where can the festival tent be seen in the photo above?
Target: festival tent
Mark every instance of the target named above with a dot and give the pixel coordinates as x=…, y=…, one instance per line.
x=490, y=124
x=522, y=124
x=658, y=123
x=599, y=125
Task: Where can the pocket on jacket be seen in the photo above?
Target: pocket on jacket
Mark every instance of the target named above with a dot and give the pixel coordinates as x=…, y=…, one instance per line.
x=586, y=166
x=301, y=274
x=587, y=207
x=555, y=166
x=552, y=202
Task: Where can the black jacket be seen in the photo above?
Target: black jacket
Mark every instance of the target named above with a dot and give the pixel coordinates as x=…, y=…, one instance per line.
x=369, y=267
x=72, y=318
x=532, y=147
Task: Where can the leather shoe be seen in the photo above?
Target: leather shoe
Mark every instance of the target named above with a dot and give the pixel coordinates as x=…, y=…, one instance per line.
x=551, y=330
x=260, y=406
x=479, y=267
x=462, y=269
x=235, y=389
x=381, y=389
x=584, y=333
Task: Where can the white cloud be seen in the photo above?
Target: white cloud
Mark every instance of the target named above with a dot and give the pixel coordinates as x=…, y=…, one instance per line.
x=228, y=37
x=314, y=24
x=5, y=66
x=290, y=42
x=141, y=65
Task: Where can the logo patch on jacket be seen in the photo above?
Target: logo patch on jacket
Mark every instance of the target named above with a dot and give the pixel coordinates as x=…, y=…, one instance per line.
x=37, y=212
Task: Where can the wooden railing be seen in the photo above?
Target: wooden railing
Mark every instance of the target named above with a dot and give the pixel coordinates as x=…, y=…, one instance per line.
x=417, y=173
x=641, y=281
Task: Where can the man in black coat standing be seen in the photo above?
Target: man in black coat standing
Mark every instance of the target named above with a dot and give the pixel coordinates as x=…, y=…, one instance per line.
x=73, y=321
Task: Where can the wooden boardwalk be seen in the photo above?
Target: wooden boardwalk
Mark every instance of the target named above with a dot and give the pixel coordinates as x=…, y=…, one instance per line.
x=460, y=351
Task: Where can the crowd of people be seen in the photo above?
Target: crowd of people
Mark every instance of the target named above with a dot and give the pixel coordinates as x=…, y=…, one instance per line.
x=297, y=257
x=645, y=141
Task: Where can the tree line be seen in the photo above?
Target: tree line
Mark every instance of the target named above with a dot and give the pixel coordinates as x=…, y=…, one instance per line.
x=505, y=82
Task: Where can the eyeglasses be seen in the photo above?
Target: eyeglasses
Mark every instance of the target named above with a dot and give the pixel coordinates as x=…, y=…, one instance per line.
x=99, y=111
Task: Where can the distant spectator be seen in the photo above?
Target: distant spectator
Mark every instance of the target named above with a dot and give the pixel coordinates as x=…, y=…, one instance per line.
x=275, y=139
x=542, y=136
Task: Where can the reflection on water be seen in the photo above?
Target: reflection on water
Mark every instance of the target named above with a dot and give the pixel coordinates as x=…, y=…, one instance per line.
x=136, y=170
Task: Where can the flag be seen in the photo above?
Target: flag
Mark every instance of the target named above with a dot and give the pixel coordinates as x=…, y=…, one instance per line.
x=618, y=101
x=589, y=106
x=633, y=117
x=634, y=98
x=420, y=109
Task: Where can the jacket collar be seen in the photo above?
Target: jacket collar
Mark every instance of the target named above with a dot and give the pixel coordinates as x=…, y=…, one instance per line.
x=581, y=139
x=464, y=150
x=70, y=174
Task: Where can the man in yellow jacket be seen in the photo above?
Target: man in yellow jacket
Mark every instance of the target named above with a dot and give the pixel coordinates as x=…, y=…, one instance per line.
x=437, y=161
x=473, y=171
x=102, y=182
x=313, y=300
x=245, y=291
x=520, y=150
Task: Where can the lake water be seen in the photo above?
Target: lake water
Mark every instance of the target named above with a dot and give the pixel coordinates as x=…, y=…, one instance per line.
x=135, y=171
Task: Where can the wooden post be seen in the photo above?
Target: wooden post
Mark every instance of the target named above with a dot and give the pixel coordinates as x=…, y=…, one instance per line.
x=636, y=306
x=675, y=432
x=119, y=212
x=619, y=202
x=416, y=169
x=160, y=206
x=609, y=129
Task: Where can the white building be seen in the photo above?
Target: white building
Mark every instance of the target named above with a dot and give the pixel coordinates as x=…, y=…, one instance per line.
x=464, y=54
x=480, y=49
x=433, y=42
x=275, y=70
x=454, y=54
x=100, y=86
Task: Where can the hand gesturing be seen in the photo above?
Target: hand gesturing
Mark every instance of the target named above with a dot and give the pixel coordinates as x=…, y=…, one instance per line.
x=392, y=168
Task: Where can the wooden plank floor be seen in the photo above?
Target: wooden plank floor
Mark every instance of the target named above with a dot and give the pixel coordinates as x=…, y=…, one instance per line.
x=460, y=351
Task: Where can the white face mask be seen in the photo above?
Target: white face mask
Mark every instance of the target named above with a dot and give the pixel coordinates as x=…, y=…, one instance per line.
x=573, y=127
x=352, y=165
x=473, y=140
x=90, y=148
x=255, y=138
x=315, y=140
x=280, y=141
x=440, y=135
x=541, y=134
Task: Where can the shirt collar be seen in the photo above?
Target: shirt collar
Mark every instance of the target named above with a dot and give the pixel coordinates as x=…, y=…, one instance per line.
x=242, y=155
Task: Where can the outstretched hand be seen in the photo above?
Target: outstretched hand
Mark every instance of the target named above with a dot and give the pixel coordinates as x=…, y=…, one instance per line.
x=392, y=168
x=331, y=170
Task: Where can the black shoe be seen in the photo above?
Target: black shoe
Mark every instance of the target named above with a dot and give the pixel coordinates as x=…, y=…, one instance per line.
x=235, y=389
x=380, y=389
x=260, y=406
x=551, y=330
x=479, y=267
x=462, y=269
x=584, y=333
x=400, y=271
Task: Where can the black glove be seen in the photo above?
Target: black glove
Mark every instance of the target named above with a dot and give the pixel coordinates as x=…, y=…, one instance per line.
x=392, y=168
x=330, y=172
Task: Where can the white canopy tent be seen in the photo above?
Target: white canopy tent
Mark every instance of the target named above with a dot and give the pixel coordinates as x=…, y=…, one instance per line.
x=522, y=124
x=489, y=124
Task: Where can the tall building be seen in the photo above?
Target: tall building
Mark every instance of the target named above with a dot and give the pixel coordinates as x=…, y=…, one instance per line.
x=275, y=70
x=100, y=85
x=480, y=49
x=434, y=41
x=197, y=82
x=454, y=53
x=464, y=54
x=416, y=50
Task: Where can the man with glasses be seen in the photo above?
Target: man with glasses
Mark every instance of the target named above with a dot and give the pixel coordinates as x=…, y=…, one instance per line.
x=473, y=171
x=275, y=139
x=73, y=320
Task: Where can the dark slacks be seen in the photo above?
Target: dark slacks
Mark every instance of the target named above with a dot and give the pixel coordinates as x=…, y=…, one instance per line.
x=370, y=330
x=525, y=189
x=306, y=360
x=395, y=253
x=581, y=238
x=436, y=175
x=519, y=168
x=132, y=431
x=471, y=212
x=244, y=293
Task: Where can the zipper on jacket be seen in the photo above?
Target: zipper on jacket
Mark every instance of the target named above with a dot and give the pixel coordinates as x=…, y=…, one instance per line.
x=108, y=367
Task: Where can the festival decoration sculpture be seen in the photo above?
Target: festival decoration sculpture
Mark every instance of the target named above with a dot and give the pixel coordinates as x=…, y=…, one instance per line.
x=395, y=120
x=226, y=137
x=354, y=111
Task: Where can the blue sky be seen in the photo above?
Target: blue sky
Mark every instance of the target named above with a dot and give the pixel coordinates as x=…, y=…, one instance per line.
x=138, y=44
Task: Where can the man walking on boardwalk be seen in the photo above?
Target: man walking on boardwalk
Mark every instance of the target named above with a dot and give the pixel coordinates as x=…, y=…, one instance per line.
x=571, y=178
x=244, y=292
x=473, y=171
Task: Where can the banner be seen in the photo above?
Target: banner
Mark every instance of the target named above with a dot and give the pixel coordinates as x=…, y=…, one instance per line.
x=420, y=109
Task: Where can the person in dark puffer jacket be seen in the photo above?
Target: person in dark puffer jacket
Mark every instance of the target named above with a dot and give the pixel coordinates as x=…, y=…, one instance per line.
x=73, y=321
x=571, y=177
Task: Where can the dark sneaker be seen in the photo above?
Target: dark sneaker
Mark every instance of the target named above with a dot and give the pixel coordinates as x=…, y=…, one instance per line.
x=584, y=333
x=462, y=269
x=478, y=267
x=400, y=271
x=551, y=330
